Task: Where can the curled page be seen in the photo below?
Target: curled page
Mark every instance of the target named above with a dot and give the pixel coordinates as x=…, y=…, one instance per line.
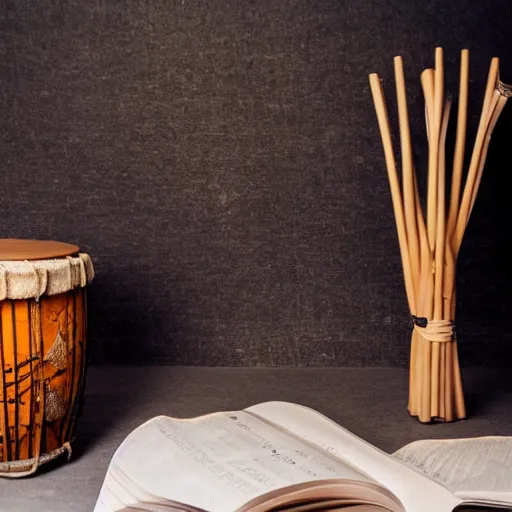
x=217, y=462
x=473, y=468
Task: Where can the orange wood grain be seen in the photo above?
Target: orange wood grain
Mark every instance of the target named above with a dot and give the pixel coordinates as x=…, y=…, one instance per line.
x=28, y=334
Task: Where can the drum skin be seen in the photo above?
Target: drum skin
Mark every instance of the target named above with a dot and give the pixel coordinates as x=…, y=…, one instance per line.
x=42, y=377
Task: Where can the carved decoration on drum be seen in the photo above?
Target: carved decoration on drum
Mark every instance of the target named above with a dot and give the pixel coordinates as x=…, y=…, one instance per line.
x=54, y=406
x=57, y=356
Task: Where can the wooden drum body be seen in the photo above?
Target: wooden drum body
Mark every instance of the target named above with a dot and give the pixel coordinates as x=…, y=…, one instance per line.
x=43, y=322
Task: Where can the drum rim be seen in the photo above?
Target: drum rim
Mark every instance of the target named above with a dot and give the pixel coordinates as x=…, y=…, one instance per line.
x=20, y=249
x=26, y=467
x=21, y=280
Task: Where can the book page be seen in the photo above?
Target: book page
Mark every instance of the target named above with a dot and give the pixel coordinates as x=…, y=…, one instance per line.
x=415, y=491
x=216, y=462
x=471, y=468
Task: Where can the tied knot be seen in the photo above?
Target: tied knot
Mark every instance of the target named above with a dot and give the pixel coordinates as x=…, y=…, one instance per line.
x=436, y=331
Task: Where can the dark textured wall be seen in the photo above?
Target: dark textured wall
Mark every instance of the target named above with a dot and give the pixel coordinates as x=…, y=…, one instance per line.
x=220, y=160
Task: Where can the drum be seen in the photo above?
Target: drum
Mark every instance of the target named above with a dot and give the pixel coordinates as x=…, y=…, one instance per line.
x=43, y=321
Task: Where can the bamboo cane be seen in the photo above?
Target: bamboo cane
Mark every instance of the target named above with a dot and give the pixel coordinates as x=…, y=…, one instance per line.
x=425, y=252
x=493, y=115
x=458, y=164
x=486, y=126
x=429, y=248
x=497, y=105
x=463, y=216
x=437, y=143
x=396, y=196
x=453, y=385
x=438, y=89
x=490, y=114
x=407, y=173
x=410, y=206
x=460, y=141
x=442, y=380
x=439, y=257
x=448, y=369
x=466, y=206
x=412, y=404
x=425, y=285
x=427, y=81
x=452, y=373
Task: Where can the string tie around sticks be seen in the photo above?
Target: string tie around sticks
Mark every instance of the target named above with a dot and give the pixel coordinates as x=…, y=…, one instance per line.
x=504, y=89
x=436, y=331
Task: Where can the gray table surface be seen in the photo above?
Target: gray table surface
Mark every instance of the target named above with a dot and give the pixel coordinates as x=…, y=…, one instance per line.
x=371, y=402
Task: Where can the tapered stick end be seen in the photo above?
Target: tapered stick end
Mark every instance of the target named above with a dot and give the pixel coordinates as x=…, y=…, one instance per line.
x=375, y=81
x=427, y=72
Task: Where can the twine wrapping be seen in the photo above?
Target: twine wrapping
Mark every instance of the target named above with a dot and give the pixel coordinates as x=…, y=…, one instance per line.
x=435, y=331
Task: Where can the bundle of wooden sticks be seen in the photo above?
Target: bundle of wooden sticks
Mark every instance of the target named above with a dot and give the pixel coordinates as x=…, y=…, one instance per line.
x=429, y=249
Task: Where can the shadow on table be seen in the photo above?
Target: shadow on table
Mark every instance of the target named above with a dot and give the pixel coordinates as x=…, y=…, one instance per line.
x=486, y=388
x=118, y=398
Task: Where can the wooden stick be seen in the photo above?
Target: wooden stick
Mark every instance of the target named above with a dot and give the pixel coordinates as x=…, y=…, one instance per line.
x=460, y=407
x=426, y=377
x=425, y=358
x=396, y=196
x=441, y=216
x=434, y=103
x=427, y=124
x=454, y=245
x=449, y=278
x=442, y=379
x=452, y=368
x=440, y=391
x=458, y=164
x=454, y=388
x=493, y=114
x=439, y=88
x=425, y=252
x=413, y=397
x=460, y=141
x=425, y=259
x=434, y=117
x=408, y=174
x=465, y=206
x=497, y=105
x=450, y=372
x=410, y=207
x=449, y=314
x=425, y=279
x=439, y=256
x=427, y=82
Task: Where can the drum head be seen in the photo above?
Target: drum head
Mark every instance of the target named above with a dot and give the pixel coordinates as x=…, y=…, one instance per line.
x=19, y=250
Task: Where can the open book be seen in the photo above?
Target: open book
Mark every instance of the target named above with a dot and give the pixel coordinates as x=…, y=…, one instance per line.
x=282, y=456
